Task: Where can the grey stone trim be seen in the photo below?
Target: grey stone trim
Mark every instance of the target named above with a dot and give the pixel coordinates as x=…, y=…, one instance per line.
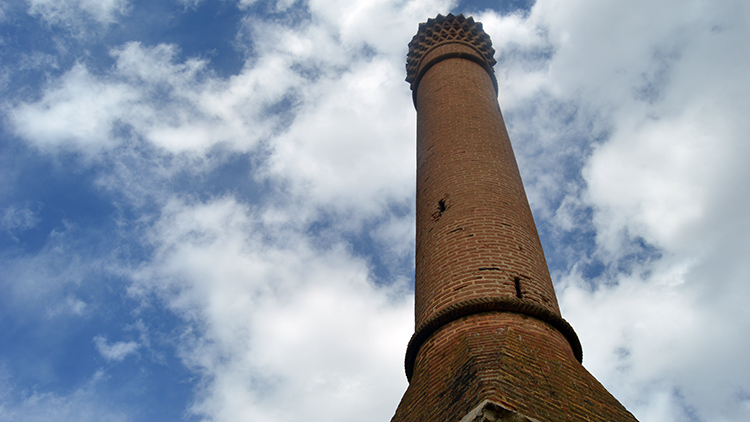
x=489, y=411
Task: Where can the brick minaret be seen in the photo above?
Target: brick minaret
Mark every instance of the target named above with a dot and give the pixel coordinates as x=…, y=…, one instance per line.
x=489, y=343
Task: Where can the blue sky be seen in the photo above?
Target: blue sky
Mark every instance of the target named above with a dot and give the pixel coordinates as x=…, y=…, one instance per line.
x=206, y=206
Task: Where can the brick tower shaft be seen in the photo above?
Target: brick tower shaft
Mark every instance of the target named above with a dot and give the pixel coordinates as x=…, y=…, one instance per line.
x=475, y=233
x=489, y=336
x=476, y=236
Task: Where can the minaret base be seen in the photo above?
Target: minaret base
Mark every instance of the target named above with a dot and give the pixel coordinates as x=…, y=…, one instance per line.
x=520, y=364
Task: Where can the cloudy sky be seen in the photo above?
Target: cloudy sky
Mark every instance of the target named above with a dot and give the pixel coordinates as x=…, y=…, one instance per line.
x=207, y=206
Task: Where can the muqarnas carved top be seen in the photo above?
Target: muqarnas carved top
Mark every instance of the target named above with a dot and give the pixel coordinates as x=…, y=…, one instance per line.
x=445, y=30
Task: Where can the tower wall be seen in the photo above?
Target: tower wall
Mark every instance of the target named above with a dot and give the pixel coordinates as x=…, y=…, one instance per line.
x=475, y=233
x=489, y=338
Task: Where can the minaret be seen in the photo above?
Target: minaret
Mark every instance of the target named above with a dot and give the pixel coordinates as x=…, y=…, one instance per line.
x=489, y=343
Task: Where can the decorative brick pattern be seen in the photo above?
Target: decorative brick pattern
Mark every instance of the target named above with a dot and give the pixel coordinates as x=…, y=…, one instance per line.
x=447, y=30
x=488, y=304
x=488, y=326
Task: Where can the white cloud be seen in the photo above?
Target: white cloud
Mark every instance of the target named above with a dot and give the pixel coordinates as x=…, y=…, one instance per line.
x=274, y=319
x=84, y=403
x=340, y=152
x=654, y=335
x=382, y=25
x=277, y=320
x=176, y=107
x=70, y=305
x=13, y=219
x=329, y=144
x=3, y=15
x=38, y=282
x=79, y=109
x=115, y=351
x=68, y=12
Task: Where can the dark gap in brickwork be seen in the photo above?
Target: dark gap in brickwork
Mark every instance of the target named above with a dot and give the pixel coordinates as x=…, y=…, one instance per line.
x=489, y=269
x=442, y=207
x=517, y=282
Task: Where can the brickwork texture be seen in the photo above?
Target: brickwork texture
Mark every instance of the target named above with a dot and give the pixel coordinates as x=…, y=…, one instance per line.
x=487, y=322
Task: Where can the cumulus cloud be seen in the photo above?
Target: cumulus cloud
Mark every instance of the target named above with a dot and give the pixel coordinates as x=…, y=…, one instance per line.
x=116, y=351
x=71, y=12
x=318, y=83
x=277, y=320
x=13, y=219
x=41, y=281
x=82, y=404
x=78, y=109
x=359, y=161
x=70, y=305
x=173, y=106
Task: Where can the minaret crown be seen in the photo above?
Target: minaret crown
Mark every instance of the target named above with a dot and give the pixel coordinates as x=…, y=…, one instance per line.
x=446, y=30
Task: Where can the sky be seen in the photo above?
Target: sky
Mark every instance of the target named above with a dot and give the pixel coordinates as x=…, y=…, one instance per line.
x=207, y=206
